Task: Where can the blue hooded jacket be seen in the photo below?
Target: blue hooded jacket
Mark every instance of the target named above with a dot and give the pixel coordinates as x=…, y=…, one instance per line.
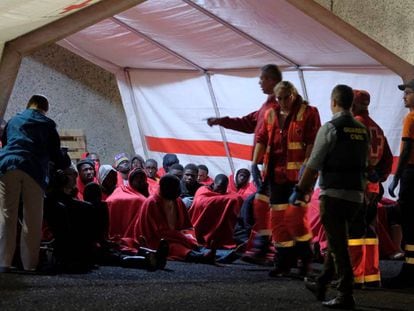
x=30, y=140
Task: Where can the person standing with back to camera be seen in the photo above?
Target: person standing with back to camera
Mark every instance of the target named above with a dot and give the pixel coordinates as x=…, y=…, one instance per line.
x=30, y=141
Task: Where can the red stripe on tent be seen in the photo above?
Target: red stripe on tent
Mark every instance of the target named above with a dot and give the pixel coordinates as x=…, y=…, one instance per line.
x=198, y=147
x=208, y=148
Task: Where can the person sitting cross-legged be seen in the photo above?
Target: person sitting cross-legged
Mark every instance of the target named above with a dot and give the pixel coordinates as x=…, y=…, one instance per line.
x=164, y=216
x=214, y=213
x=125, y=203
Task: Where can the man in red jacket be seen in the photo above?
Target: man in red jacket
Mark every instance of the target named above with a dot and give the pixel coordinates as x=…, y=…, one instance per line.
x=270, y=76
x=364, y=251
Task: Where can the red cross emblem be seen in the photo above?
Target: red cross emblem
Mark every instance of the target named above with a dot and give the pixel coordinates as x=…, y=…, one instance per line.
x=75, y=7
x=377, y=142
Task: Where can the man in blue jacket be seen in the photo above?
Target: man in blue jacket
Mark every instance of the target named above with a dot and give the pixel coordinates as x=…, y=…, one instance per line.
x=30, y=141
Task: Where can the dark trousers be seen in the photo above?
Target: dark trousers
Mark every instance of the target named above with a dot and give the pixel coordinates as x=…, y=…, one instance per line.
x=406, y=202
x=336, y=216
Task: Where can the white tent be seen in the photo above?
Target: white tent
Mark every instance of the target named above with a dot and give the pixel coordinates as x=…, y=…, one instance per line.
x=178, y=62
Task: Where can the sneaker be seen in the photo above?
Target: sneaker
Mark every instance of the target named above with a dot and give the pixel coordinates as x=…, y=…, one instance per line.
x=344, y=302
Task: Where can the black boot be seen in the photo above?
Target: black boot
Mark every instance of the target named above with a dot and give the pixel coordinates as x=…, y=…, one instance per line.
x=318, y=289
x=304, y=253
x=160, y=254
x=283, y=260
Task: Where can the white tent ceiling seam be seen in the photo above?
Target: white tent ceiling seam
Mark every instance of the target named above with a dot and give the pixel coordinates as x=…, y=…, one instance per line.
x=161, y=46
x=241, y=33
x=227, y=25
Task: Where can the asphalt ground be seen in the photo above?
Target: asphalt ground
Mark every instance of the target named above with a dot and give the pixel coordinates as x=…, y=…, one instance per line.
x=182, y=286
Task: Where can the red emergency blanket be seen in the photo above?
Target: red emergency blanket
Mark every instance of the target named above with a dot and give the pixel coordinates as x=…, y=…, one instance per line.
x=214, y=216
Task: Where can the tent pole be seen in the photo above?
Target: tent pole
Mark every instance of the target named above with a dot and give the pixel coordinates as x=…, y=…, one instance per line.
x=217, y=111
x=303, y=84
x=134, y=106
x=9, y=68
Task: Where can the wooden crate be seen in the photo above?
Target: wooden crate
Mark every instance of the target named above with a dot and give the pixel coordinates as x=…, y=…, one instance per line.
x=75, y=141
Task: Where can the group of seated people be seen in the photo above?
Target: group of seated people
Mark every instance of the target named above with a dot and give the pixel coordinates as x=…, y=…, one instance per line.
x=134, y=214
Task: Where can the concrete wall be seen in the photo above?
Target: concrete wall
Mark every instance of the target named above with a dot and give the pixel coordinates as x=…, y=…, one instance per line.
x=389, y=22
x=81, y=95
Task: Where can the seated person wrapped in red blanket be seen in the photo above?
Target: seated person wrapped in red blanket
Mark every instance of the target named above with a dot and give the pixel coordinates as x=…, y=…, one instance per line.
x=214, y=213
x=125, y=203
x=164, y=216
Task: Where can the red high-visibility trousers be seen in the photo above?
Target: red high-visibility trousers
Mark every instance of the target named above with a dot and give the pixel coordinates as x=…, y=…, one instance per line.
x=364, y=256
x=297, y=222
x=372, y=271
x=261, y=214
x=356, y=250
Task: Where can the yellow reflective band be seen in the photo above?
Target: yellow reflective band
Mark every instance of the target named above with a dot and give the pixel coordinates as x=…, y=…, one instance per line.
x=264, y=232
x=295, y=146
x=372, y=278
x=279, y=207
x=304, y=238
x=299, y=116
x=262, y=197
x=358, y=279
x=302, y=204
x=294, y=165
x=409, y=247
x=285, y=244
x=372, y=241
x=409, y=260
x=355, y=242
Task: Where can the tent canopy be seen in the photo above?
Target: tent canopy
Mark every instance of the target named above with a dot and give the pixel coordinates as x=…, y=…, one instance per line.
x=18, y=17
x=214, y=35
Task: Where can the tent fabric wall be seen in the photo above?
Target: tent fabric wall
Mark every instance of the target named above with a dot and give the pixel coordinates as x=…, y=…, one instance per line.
x=171, y=109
